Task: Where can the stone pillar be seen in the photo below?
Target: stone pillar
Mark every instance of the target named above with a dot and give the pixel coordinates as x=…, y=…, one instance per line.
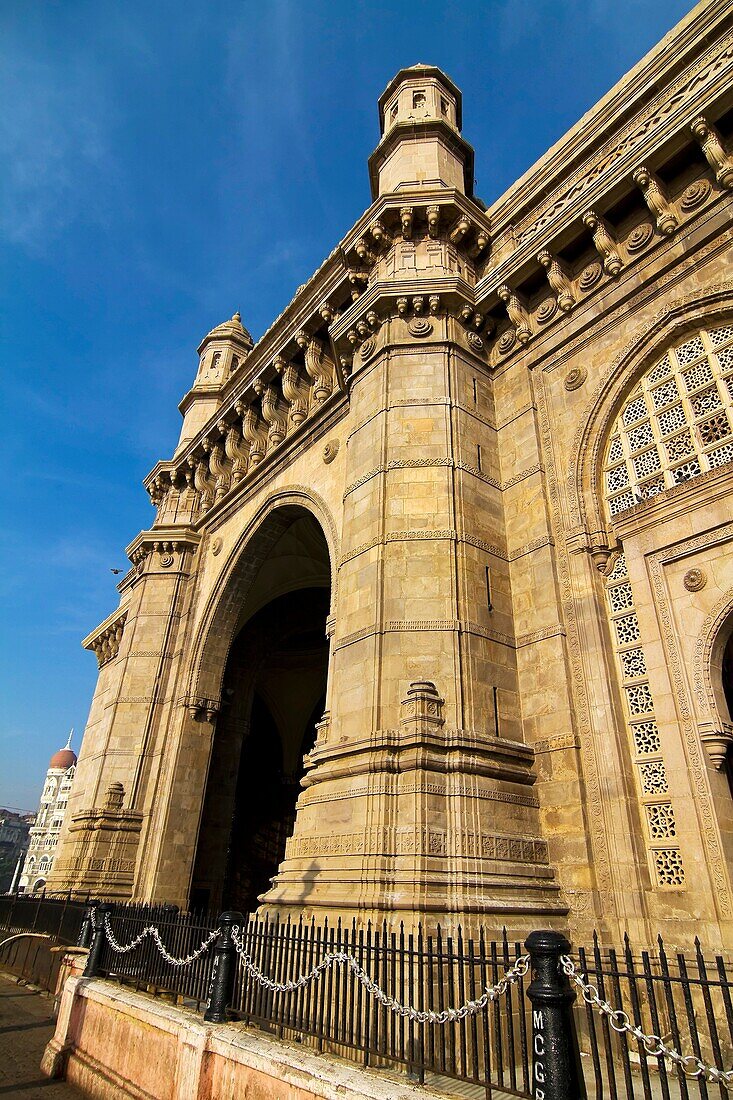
x=416, y=802
x=118, y=760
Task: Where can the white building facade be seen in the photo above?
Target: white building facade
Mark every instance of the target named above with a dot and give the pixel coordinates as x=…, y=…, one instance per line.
x=44, y=833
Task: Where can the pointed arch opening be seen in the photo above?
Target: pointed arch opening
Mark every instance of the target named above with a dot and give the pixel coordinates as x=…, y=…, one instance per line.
x=273, y=693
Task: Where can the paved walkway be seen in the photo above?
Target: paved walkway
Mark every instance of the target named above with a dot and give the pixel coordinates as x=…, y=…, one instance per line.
x=26, y=1025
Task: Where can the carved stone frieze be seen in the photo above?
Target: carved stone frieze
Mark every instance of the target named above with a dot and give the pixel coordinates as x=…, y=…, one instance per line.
x=671, y=101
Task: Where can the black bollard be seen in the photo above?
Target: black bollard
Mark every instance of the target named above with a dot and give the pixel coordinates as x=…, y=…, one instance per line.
x=556, y=1069
x=221, y=984
x=94, y=958
x=87, y=927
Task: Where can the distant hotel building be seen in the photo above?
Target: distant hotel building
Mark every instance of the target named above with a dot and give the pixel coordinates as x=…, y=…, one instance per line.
x=49, y=819
x=13, y=845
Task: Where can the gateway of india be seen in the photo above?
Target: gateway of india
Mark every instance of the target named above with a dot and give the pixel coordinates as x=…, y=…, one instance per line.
x=434, y=618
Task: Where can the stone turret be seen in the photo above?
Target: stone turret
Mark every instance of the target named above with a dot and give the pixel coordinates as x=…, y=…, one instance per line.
x=421, y=144
x=220, y=354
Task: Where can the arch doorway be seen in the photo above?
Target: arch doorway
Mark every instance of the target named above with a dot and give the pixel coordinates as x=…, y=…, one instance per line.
x=273, y=695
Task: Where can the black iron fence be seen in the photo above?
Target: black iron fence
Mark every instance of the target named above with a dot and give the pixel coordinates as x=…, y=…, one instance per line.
x=685, y=999
x=145, y=968
x=388, y=997
x=58, y=917
x=490, y=1048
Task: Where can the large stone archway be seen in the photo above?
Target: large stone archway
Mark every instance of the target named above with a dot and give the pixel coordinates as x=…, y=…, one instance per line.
x=274, y=696
x=273, y=692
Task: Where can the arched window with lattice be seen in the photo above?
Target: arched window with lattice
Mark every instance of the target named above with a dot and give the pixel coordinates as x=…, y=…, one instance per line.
x=676, y=424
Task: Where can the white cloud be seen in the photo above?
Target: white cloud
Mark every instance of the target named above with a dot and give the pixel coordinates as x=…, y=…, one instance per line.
x=53, y=144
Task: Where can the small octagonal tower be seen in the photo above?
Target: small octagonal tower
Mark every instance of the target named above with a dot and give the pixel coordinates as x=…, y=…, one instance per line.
x=221, y=352
x=421, y=145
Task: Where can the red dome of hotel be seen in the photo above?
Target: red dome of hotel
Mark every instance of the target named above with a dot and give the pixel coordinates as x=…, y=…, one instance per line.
x=64, y=758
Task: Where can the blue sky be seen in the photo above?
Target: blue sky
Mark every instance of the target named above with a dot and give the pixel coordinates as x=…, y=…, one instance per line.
x=163, y=165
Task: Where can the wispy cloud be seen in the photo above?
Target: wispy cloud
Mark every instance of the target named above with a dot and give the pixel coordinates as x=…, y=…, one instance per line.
x=53, y=144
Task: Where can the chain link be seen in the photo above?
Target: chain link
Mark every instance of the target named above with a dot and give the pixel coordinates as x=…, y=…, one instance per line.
x=154, y=933
x=619, y=1020
x=344, y=958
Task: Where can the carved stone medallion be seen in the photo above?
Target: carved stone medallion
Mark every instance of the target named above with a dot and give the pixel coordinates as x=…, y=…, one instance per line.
x=330, y=450
x=694, y=580
x=546, y=310
x=639, y=237
x=368, y=348
x=590, y=275
x=506, y=341
x=419, y=326
x=695, y=194
x=166, y=560
x=475, y=341
x=216, y=546
x=575, y=378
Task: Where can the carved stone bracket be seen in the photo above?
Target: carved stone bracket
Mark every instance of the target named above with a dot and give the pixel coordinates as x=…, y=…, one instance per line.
x=517, y=312
x=558, y=279
x=605, y=243
x=201, y=709
x=717, y=739
x=106, y=643
x=656, y=199
x=719, y=160
x=165, y=541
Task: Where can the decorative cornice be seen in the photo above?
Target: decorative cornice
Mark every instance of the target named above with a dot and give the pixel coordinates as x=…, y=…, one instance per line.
x=164, y=541
x=650, y=113
x=105, y=640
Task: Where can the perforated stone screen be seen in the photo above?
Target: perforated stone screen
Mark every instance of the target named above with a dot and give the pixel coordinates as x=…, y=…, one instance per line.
x=677, y=423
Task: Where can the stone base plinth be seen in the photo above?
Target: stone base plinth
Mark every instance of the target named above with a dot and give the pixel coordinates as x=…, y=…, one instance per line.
x=111, y=1042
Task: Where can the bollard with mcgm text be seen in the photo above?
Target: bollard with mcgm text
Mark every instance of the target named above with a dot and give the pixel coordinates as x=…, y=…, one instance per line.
x=94, y=958
x=224, y=969
x=556, y=1069
x=87, y=926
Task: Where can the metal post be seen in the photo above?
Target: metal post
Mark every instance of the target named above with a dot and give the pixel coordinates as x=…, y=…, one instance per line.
x=94, y=958
x=556, y=1069
x=87, y=926
x=221, y=985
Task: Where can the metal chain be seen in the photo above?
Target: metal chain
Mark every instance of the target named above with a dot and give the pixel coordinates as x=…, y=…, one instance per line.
x=152, y=931
x=426, y=1016
x=619, y=1020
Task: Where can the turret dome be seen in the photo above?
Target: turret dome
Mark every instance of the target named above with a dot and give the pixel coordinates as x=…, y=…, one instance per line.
x=232, y=330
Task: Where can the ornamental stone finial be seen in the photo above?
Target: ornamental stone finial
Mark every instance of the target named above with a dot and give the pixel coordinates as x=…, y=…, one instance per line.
x=422, y=710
